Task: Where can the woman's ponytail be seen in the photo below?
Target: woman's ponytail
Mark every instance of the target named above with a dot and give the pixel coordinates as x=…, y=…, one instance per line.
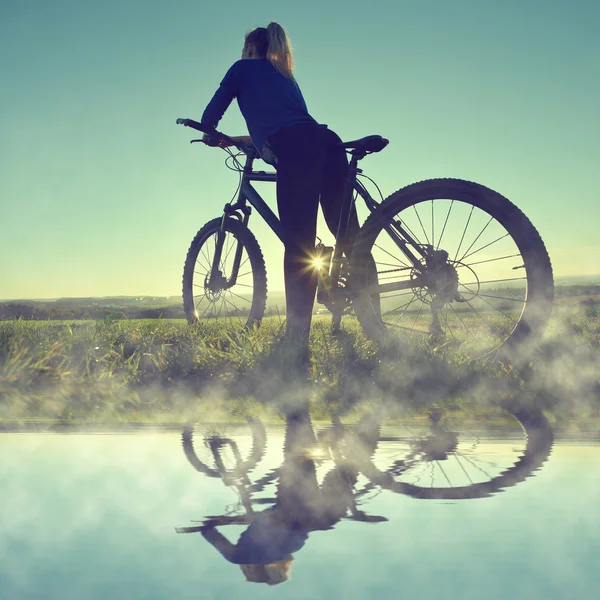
x=279, y=51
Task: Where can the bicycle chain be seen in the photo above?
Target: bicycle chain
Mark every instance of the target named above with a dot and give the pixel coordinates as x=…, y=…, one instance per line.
x=393, y=270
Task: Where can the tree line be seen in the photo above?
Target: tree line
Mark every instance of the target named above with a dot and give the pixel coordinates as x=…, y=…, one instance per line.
x=13, y=311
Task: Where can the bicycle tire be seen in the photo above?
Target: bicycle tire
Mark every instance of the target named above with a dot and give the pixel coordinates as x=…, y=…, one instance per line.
x=257, y=451
x=199, y=255
x=538, y=447
x=505, y=216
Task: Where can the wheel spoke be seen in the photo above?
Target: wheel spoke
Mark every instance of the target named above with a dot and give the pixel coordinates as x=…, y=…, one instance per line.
x=206, y=309
x=421, y=223
x=462, y=323
x=481, y=317
x=201, y=264
x=497, y=309
x=444, y=227
x=240, y=297
x=463, y=468
x=394, y=257
x=404, y=305
x=477, y=467
x=489, y=260
x=206, y=256
x=445, y=317
x=199, y=301
x=444, y=473
x=464, y=233
x=501, y=297
x=473, y=242
x=418, y=314
x=486, y=246
x=399, y=294
x=494, y=281
x=432, y=225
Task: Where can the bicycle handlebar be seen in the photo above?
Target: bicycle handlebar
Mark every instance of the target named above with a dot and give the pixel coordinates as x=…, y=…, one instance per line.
x=215, y=137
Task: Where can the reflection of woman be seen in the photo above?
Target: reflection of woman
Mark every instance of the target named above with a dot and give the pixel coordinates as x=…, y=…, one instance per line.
x=264, y=550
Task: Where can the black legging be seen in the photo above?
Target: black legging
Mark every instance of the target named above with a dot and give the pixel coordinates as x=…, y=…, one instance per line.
x=311, y=167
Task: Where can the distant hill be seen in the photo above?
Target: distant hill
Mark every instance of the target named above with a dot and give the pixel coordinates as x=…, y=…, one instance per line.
x=171, y=307
x=118, y=307
x=577, y=280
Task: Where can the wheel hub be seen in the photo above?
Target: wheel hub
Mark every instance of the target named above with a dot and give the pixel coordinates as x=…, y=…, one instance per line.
x=442, y=278
x=438, y=445
x=215, y=286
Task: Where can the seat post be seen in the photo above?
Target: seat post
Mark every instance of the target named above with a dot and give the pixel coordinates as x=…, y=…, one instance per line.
x=347, y=203
x=336, y=260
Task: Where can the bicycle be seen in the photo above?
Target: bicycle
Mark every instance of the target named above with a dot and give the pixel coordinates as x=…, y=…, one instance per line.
x=487, y=289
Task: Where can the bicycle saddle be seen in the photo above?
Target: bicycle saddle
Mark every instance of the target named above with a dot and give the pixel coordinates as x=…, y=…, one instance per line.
x=371, y=143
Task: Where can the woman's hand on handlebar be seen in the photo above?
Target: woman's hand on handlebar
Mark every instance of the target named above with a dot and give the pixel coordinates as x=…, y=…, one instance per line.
x=227, y=142
x=210, y=140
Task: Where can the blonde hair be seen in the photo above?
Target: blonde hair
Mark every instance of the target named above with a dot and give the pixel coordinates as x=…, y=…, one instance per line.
x=271, y=574
x=272, y=43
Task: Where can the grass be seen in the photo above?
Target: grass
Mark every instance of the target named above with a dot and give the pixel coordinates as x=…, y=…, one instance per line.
x=161, y=371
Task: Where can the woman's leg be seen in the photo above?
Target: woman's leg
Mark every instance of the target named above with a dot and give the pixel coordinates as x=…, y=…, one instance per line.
x=335, y=175
x=300, y=160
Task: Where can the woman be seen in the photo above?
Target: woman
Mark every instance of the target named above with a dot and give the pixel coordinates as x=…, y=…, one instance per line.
x=311, y=165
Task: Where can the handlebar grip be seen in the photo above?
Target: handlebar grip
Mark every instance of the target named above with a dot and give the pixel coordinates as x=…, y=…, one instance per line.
x=195, y=125
x=214, y=137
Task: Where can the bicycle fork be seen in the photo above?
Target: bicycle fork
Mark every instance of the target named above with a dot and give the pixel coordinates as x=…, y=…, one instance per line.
x=217, y=281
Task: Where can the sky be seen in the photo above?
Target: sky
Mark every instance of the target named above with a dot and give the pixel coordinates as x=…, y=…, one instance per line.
x=101, y=193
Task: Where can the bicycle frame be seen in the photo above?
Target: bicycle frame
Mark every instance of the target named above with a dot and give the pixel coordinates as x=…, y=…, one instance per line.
x=248, y=194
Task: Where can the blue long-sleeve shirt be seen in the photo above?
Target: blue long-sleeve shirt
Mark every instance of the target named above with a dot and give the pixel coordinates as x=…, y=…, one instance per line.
x=267, y=99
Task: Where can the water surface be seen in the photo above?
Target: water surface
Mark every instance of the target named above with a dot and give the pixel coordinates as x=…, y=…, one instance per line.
x=95, y=516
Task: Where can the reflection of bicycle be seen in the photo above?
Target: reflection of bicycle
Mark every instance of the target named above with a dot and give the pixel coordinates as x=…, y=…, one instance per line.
x=301, y=449
x=224, y=450
x=457, y=452
x=450, y=452
x=457, y=263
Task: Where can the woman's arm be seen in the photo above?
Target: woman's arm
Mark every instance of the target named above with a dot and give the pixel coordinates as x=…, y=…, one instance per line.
x=245, y=139
x=219, y=541
x=221, y=100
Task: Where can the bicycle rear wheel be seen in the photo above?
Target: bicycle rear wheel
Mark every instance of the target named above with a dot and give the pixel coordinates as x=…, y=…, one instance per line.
x=484, y=286
x=472, y=451
x=240, y=299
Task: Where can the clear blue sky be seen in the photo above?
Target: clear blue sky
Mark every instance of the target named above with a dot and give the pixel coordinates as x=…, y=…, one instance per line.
x=101, y=194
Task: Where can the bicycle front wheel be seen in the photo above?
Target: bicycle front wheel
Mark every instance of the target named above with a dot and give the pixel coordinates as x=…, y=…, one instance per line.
x=221, y=449
x=474, y=277
x=234, y=290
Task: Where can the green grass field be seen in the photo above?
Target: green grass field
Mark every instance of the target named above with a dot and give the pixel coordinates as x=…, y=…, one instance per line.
x=161, y=371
